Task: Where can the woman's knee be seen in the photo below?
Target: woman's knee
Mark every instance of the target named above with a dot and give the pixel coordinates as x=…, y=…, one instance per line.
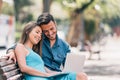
x=81, y=76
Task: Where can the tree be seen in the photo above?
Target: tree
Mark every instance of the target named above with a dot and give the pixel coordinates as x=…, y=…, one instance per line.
x=46, y=5
x=18, y=5
x=76, y=24
x=0, y=5
x=6, y=10
x=111, y=17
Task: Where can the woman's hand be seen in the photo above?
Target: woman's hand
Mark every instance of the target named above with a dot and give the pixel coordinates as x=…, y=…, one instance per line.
x=54, y=73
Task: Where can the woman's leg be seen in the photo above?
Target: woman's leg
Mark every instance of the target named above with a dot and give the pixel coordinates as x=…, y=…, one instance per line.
x=81, y=76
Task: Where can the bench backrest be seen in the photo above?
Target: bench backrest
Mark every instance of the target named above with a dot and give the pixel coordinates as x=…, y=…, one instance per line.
x=9, y=70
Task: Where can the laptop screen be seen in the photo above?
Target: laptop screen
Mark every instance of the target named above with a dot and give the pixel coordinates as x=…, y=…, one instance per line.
x=74, y=63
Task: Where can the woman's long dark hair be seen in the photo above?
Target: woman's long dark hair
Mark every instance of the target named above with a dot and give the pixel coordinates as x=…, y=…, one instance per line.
x=25, y=34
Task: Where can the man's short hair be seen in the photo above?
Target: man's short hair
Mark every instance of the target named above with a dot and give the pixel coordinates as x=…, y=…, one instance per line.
x=45, y=18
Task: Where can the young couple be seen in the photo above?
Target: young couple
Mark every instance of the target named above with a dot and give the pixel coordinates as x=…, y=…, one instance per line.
x=40, y=52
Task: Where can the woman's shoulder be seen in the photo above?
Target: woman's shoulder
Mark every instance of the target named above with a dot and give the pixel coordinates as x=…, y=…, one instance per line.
x=21, y=48
x=19, y=45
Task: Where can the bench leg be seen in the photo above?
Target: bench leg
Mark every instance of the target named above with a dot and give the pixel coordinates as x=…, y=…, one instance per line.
x=90, y=55
x=99, y=57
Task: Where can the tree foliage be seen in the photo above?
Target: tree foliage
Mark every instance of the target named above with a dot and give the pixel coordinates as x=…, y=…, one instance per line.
x=111, y=12
x=19, y=4
x=7, y=9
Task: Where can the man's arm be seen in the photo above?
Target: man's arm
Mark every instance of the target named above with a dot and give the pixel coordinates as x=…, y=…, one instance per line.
x=11, y=53
x=12, y=48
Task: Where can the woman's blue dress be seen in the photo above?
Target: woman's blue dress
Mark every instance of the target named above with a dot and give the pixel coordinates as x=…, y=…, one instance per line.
x=35, y=61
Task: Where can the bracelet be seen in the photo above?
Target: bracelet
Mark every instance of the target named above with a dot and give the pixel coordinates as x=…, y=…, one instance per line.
x=10, y=50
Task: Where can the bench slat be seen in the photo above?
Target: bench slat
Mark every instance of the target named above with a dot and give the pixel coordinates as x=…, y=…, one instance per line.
x=11, y=73
x=3, y=59
x=4, y=63
x=16, y=77
x=8, y=68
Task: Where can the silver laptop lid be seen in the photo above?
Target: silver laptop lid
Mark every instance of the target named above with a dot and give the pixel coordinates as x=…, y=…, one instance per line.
x=74, y=63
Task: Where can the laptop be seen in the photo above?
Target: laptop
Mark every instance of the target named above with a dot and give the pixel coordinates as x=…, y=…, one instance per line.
x=74, y=63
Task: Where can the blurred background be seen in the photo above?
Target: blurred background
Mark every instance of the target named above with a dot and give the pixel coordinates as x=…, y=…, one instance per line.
x=84, y=24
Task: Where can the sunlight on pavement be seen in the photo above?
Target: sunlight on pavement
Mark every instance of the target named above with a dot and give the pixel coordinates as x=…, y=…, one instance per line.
x=2, y=53
x=102, y=78
x=108, y=68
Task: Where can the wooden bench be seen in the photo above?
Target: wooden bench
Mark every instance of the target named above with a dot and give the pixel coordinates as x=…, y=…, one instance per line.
x=9, y=70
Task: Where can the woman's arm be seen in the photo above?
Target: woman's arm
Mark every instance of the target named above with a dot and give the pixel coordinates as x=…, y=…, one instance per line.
x=21, y=53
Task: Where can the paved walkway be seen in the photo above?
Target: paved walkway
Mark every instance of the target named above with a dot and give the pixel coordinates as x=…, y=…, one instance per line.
x=108, y=68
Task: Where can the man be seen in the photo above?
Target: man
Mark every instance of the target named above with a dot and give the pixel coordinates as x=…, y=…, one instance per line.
x=54, y=50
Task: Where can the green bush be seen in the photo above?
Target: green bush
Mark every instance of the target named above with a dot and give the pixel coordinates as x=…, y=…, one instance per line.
x=89, y=27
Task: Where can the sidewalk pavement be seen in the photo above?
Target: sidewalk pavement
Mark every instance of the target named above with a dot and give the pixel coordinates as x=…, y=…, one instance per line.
x=108, y=68
x=2, y=52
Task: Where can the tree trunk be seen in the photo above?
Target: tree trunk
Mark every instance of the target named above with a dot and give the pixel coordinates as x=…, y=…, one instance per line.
x=74, y=30
x=77, y=25
x=46, y=5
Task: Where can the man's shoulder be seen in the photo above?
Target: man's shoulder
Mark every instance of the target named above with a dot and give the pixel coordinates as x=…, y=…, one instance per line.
x=63, y=42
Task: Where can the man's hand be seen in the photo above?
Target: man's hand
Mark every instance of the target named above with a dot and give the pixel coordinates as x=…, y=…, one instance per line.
x=11, y=55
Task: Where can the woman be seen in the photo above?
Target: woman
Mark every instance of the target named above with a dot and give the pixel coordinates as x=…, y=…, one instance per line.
x=30, y=61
